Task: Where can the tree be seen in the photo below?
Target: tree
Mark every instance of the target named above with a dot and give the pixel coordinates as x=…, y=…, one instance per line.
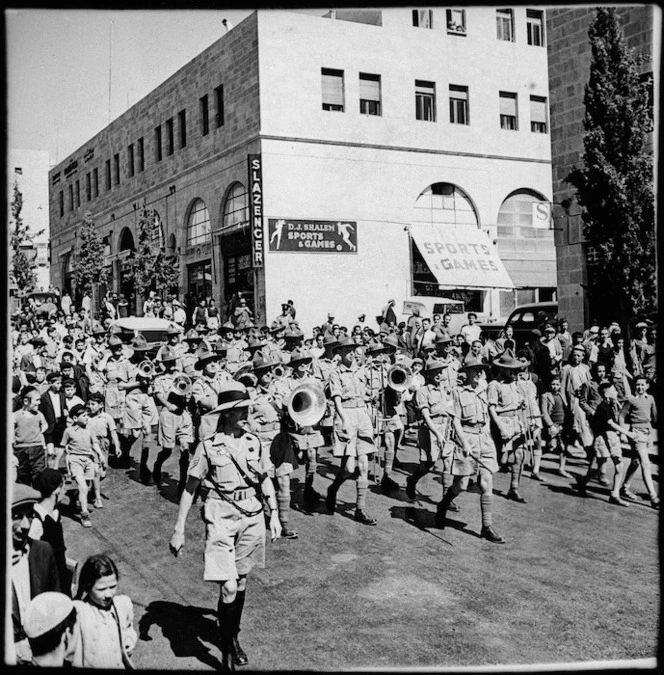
x=615, y=184
x=89, y=269
x=22, y=269
x=151, y=268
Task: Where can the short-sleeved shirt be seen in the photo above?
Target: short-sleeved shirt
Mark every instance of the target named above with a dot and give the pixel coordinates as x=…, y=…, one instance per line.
x=212, y=457
x=470, y=405
x=28, y=428
x=78, y=441
x=432, y=397
x=349, y=383
x=471, y=333
x=204, y=392
x=501, y=394
x=101, y=425
x=162, y=385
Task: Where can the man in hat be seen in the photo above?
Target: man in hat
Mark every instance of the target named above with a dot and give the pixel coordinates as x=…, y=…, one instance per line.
x=527, y=383
x=49, y=626
x=234, y=353
x=321, y=368
x=175, y=423
x=353, y=434
x=293, y=338
x=506, y=408
x=274, y=350
x=444, y=353
x=242, y=315
x=116, y=369
x=173, y=343
x=233, y=467
x=476, y=454
x=284, y=319
x=33, y=566
x=205, y=389
x=188, y=360
x=53, y=407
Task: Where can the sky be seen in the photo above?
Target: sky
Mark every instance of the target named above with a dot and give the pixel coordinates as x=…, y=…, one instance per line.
x=59, y=62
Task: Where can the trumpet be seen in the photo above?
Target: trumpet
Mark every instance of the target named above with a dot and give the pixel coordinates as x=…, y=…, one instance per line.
x=399, y=377
x=146, y=369
x=306, y=405
x=180, y=389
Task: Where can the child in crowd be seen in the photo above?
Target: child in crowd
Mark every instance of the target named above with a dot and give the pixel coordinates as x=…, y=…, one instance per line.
x=84, y=459
x=28, y=444
x=555, y=409
x=527, y=384
x=103, y=429
x=71, y=397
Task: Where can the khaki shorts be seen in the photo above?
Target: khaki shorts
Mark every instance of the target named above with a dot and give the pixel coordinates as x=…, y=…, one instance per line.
x=234, y=543
x=82, y=465
x=173, y=428
x=608, y=445
x=359, y=437
x=140, y=412
x=483, y=448
x=430, y=449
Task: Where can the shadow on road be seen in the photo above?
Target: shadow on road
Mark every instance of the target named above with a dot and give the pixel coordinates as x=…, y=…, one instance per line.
x=187, y=628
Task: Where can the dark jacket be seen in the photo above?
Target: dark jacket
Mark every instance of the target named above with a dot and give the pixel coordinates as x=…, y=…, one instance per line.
x=56, y=425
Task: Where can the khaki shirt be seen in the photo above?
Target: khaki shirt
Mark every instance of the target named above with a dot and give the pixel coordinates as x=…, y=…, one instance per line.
x=470, y=406
x=349, y=383
x=432, y=397
x=503, y=394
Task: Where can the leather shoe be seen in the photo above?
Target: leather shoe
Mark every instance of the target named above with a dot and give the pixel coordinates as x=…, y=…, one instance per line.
x=410, y=487
x=239, y=657
x=227, y=663
x=287, y=533
x=310, y=499
x=617, y=501
x=363, y=518
x=516, y=497
x=389, y=485
x=491, y=535
x=454, y=508
x=331, y=501
x=626, y=493
x=580, y=485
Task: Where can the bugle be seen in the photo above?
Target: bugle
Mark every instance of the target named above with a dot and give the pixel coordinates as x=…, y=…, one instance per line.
x=306, y=405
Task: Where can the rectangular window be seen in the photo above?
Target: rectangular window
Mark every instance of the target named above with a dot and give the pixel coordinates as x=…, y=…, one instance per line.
x=369, y=94
x=205, y=115
x=71, y=197
x=108, y=175
x=130, y=159
x=505, y=24
x=116, y=167
x=95, y=183
x=333, y=89
x=182, y=119
x=459, y=105
x=78, y=194
x=538, y=114
x=423, y=18
x=157, y=144
x=88, y=187
x=425, y=101
x=456, y=21
x=535, y=27
x=141, y=155
x=169, y=135
x=219, y=98
x=508, y=116
x=61, y=197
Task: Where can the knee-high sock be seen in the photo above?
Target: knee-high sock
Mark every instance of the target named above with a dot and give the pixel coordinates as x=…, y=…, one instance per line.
x=362, y=488
x=447, y=481
x=341, y=476
x=239, y=600
x=145, y=454
x=389, y=461
x=283, y=504
x=485, y=505
x=450, y=494
x=226, y=616
x=163, y=455
x=421, y=470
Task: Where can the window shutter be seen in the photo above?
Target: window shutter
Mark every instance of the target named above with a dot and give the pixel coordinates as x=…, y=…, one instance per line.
x=508, y=105
x=538, y=110
x=333, y=88
x=369, y=89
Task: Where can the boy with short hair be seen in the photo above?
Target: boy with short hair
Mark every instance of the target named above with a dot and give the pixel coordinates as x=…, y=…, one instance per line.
x=71, y=398
x=84, y=458
x=103, y=428
x=29, y=445
x=554, y=409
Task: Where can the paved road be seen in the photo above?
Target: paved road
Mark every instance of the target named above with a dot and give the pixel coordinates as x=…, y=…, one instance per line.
x=577, y=580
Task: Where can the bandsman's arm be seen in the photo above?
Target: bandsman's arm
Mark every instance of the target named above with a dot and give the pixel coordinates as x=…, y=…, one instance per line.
x=335, y=395
x=455, y=420
x=422, y=403
x=267, y=487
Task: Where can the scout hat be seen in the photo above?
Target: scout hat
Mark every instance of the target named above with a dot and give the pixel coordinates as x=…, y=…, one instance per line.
x=442, y=339
x=23, y=495
x=47, y=611
x=391, y=341
x=256, y=343
x=300, y=356
x=508, y=360
x=139, y=343
x=114, y=330
x=228, y=326
x=204, y=355
x=114, y=342
x=260, y=363
x=433, y=365
x=233, y=395
x=98, y=329
x=276, y=327
x=374, y=348
x=293, y=332
x=330, y=342
x=192, y=336
x=167, y=354
x=173, y=330
x=345, y=343
x=471, y=361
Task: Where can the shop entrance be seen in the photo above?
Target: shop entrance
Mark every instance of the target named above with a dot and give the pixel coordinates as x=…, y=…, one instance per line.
x=199, y=283
x=238, y=271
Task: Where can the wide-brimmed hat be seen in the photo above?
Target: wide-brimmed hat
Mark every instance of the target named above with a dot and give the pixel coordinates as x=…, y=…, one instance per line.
x=375, y=347
x=98, y=329
x=471, y=361
x=173, y=330
x=330, y=342
x=139, y=343
x=276, y=327
x=256, y=343
x=508, y=360
x=114, y=341
x=300, y=356
x=114, y=330
x=443, y=339
x=433, y=364
x=167, y=354
x=391, y=341
x=204, y=354
x=192, y=336
x=233, y=395
x=293, y=332
x=260, y=363
x=227, y=326
x=23, y=494
x=345, y=343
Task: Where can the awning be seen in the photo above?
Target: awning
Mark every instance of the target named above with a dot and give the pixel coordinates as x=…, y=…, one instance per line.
x=461, y=257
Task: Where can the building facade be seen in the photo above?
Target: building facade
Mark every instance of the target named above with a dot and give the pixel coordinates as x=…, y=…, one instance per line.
x=569, y=71
x=28, y=169
x=296, y=156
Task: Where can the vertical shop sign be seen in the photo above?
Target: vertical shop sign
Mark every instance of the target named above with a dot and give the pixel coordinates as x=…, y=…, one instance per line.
x=256, y=208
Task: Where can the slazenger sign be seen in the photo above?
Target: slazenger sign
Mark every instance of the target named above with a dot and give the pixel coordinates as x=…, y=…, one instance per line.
x=256, y=208
x=312, y=236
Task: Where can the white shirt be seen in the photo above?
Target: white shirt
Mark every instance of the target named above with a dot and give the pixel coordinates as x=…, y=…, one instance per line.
x=471, y=333
x=21, y=582
x=55, y=399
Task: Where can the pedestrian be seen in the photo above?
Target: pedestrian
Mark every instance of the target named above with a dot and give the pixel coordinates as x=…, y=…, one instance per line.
x=52, y=405
x=212, y=316
x=49, y=626
x=233, y=468
x=555, y=416
x=65, y=303
x=179, y=313
x=104, y=631
x=29, y=445
x=149, y=305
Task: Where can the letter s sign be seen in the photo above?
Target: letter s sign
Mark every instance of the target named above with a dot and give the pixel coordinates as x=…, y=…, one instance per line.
x=542, y=215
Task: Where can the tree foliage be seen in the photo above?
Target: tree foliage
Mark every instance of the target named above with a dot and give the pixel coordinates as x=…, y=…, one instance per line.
x=151, y=268
x=89, y=269
x=21, y=269
x=615, y=183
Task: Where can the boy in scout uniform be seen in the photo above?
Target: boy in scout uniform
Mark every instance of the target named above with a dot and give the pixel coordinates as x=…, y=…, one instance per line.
x=476, y=454
x=433, y=405
x=506, y=405
x=233, y=467
x=175, y=424
x=352, y=432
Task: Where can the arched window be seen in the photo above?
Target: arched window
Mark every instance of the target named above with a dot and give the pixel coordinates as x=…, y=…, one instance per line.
x=236, y=208
x=126, y=240
x=517, y=209
x=446, y=204
x=198, y=226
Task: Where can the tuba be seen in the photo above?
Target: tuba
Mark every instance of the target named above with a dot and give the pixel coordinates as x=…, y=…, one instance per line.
x=399, y=377
x=306, y=405
x=180, y=389
x=146, y=369
x=244, y=376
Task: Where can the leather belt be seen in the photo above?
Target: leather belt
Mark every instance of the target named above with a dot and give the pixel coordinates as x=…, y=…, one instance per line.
x=269, y=426
x=236, y=495
x=473, y=424
x=353, y=404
